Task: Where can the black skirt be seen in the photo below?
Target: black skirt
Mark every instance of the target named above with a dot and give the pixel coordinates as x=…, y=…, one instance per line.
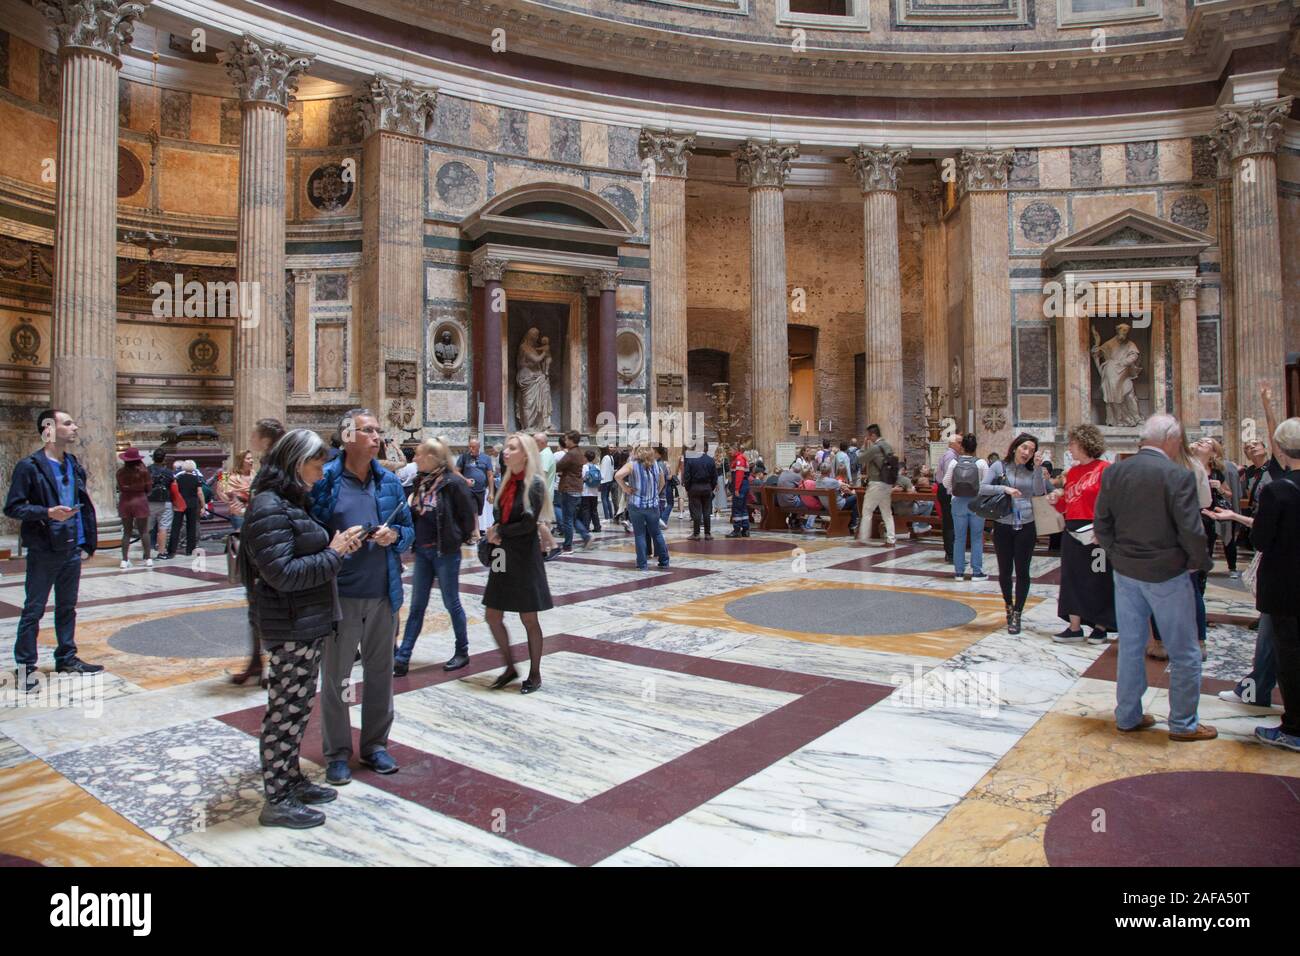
x=520, y=585
x=1089, y=594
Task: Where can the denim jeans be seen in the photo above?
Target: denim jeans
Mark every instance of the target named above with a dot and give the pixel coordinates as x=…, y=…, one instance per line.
x=431, y=566
x=236, y=522
x=966, y=524
x=568, y=513
x=1257, y=686
x=60, y=570
x=645, y=524
x=607, y=499
x=1173, y=604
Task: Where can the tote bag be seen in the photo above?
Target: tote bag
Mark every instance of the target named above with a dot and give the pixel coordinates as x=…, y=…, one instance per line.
x=1047, y=520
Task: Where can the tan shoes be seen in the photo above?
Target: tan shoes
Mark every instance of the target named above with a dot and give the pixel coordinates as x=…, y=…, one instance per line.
x=1146, y=722
x=1202, y=732
x=1156, y=650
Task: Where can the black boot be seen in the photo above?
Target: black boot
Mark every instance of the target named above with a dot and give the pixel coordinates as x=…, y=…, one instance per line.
x=1010, y=610
x=1013, y=627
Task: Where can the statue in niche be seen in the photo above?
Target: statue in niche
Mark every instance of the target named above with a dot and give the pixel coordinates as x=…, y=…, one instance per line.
x=446, y=351
x=533, y=383
x=1118, y=361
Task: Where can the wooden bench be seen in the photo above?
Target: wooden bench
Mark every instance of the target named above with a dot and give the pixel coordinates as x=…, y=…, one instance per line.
x=774, y=514
x=907, y=521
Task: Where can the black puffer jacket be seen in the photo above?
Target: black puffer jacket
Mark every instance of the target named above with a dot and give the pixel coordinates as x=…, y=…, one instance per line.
x=292, y=591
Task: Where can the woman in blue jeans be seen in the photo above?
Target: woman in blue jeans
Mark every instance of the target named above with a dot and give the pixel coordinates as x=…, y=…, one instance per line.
x=643, y=481
x=445, y=519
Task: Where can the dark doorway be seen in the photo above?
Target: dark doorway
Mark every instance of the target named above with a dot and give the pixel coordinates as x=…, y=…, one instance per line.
x=703, y=368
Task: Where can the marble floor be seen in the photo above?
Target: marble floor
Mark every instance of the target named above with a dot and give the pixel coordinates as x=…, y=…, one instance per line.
x=781, y=700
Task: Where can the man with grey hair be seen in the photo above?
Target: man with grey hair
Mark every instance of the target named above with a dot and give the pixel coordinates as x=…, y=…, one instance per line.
x=1148, y=521
x=355, y=491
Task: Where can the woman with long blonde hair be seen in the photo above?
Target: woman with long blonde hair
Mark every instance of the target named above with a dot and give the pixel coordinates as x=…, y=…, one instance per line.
x=642, y=481
x=446, y=518
x=516, y=572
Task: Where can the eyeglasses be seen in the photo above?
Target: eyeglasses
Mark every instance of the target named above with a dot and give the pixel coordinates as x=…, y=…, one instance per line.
x=371, y=430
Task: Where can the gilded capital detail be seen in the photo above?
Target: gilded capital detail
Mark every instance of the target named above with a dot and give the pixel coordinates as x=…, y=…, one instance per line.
x=764, y=164
x=668, y=150
x=105, y=26
x=395, y=106
x=1250, y=130
x=877, y=168
x=979, y=169
x=265, y=72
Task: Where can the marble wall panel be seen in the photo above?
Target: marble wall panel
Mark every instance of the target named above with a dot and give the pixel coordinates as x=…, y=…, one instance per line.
x=1113, y=164
x=451, y=284
x=1207, y=351
x=508, y=175
x=24, y=69
x=446, y=405
x=484, y=127
x=1195, y=210
x=451, y=121
x=232, y=122
x=315, y=123
x=1038, y=221
x=1033, y=357
x=1175, y=160
x=4, y=58
x=1089, y=209
x=1054, y=166
x=1085, y=166
x=294, y=125
x=513, y=126
x=175, y=111
x=205, y=118
x=198, y=182
x=566, y=140
x=31, y=138
x=1034, y=408
x=1024, y=168
x=1142, y=162
x=595, y=144
x=1204, y=163
x=1211, y=406
x=622, y=148
x=457, y=184
x=48, y=80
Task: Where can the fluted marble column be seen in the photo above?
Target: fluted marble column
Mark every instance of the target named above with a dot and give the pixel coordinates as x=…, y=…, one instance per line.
x=669, y=152
x=877, y=174
x=488, y=273
x=1248, y=136
x=265, y=76
x=393, y=118
x=934, y=281
x=83, y=360
x=982, y=175
x=764, y=167
x=1227, y=312
x=1187, y=364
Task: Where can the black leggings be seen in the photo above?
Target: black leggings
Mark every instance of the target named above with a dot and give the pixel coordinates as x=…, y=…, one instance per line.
x=1014, y=550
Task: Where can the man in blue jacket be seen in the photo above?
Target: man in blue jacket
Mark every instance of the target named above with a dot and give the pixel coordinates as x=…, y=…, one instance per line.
x=356, y=491
x=48, y=495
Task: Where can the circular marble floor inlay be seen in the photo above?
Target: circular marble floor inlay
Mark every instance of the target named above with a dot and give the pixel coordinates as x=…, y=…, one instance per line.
x=221, y=633
x=1187, y=818
x=850, y=611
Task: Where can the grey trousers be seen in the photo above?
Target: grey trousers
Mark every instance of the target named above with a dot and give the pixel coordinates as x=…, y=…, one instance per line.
x=371, y=624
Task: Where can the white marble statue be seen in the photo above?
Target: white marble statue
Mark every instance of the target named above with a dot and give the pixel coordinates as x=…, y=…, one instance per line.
x=1118, y=361
x=533, y=383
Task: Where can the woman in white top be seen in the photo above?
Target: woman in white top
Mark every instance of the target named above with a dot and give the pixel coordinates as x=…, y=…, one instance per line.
x=607, y=483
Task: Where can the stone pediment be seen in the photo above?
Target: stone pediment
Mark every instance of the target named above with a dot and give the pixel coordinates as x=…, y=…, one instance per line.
x=1130, y=234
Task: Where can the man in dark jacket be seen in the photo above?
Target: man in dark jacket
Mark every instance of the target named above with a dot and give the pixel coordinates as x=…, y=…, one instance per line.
x=700, y=477
x=48, y=495
x=355, y=490
x=1148, y=520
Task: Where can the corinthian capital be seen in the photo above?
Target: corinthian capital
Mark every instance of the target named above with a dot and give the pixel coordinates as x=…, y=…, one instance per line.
x=105, y=26
x=764, y=164
x=491, y=269
x=979, y=169
x=395, y=106
x=1185, y=288
x=265, y=72
x=668, y=150
x=877, y=169
x=1251, y=129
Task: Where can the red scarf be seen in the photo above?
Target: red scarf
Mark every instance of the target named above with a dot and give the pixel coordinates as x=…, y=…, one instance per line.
x=507, y=499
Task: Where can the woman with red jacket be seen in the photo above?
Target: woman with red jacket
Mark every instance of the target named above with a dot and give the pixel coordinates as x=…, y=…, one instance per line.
x=1087, y=593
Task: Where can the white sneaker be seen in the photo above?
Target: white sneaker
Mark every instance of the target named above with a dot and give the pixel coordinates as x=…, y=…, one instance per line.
x=149, y=563
x=958, y=577
x=124, y=566
x=1231, y=696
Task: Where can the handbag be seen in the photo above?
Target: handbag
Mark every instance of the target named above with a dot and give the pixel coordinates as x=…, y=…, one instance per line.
x=485, y=549
x=995, y=505
x=1250, y=577
x=233, y=574
x=1047, y=520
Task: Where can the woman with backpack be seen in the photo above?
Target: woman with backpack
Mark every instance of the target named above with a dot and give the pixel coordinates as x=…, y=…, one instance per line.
x=962, y=480
x=592, y=482
x=1087, y=593
x=1020, y=477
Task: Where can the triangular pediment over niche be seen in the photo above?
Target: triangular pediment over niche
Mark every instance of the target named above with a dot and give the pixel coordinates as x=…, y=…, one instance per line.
x=1130, y=234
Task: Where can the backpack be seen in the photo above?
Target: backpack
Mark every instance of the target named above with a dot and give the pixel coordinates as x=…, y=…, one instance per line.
x=965, y=477
x=160, y=485
x=591, y=476
x=889, y=469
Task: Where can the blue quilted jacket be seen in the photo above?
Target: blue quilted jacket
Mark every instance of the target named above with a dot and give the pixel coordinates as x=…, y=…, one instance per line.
x=325, y=495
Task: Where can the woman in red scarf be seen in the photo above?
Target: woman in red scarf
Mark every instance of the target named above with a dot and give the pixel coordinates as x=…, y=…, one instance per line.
x=1087, y=593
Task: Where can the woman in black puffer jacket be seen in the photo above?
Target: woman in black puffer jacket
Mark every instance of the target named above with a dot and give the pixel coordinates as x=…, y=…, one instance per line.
x=290, y=565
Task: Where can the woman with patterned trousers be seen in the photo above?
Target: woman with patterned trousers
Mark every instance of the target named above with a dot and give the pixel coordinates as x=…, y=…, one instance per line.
x=290, y=565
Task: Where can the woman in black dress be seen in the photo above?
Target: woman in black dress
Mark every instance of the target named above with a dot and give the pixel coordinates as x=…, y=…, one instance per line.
x=517, y=574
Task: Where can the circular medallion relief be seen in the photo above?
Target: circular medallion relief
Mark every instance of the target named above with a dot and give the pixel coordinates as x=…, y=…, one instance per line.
x=1040, y=222
x=457, y=184
x=327, y=189
x=130, y=173
x=630, y=355
x=1191, y=211
x=447, y=346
